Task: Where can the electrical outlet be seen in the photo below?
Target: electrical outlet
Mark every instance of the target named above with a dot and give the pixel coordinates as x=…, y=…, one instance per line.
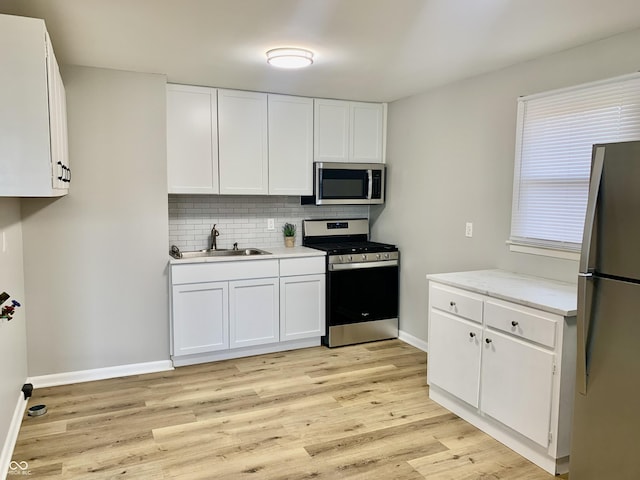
x=271, y=224
x=468, y=230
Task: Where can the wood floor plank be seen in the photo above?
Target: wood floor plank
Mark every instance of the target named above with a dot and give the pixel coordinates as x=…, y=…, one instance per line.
x=353, y=413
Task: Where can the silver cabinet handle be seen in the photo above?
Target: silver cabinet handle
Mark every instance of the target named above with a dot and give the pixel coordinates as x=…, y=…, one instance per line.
x=514, y=323
x=488, y=341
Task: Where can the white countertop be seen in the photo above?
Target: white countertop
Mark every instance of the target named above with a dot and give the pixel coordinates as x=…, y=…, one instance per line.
x=536, y=292
x=274, y=253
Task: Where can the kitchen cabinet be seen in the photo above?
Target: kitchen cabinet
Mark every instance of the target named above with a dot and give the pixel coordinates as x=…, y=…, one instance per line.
x=454, y=356
x=253, y=312
x=34, y=157
x=290, y=125
x=517, y=379
x=505, y=367
x=348, y=131
x=200, y=314
x=230, y=309
x=242, y=142
x=192, y=139
x=302, y=298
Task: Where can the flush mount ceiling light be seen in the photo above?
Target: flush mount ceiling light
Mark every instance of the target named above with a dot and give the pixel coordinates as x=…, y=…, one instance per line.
x=289, y=57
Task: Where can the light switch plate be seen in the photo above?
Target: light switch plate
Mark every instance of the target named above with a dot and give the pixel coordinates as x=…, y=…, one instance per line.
x=468, y=230
x=271, y=224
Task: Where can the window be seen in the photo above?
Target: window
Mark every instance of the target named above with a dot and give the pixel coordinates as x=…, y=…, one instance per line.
x=554, y=138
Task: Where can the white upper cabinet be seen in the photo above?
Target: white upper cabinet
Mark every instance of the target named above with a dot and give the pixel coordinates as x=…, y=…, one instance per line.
x=348, y=131
x=33, y=125
x=242, y=142
x=290, y=145
x=192, y=139
x=366, y=132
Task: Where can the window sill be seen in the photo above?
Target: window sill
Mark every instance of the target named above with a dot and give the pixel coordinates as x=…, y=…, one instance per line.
x=545, y=252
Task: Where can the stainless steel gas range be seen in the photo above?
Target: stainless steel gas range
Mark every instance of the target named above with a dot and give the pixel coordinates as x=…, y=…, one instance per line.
x=362, y=281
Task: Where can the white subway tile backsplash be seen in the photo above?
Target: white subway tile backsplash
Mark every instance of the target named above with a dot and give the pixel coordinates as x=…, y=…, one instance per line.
x=243, y=219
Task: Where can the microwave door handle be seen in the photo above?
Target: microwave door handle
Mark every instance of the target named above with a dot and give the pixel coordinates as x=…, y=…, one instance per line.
x=370, y=194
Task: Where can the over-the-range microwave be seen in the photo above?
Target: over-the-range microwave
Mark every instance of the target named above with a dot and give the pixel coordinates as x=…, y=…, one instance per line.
x=347, y=184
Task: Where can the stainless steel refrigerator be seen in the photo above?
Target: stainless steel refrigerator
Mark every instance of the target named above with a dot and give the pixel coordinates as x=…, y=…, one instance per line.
x=606, y=421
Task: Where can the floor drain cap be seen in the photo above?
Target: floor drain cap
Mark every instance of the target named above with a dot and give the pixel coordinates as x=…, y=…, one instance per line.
x=37, y=410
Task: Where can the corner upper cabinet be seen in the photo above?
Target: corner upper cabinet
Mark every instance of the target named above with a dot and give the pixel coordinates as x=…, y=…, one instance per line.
x=349, y=131
x=290, y=145
x=242, y=142
x=192, y=139
x=33, y=122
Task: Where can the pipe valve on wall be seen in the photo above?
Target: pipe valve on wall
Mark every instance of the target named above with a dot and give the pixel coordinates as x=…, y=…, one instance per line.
x=8, y=310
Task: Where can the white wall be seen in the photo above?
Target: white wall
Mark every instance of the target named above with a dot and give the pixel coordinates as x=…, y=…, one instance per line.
x=13, y=336
x=96, y=260
x=450, y=157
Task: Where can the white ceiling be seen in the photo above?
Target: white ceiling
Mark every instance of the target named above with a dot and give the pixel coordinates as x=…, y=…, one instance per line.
x=378, y=50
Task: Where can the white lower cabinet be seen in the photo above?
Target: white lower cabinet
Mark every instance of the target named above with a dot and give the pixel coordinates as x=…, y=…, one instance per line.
x=200, y=317
x=253, y=312
x=517, y=380
x=506, y=368
x=454, y=356
x=240, y=308
x=302, y=307
x=302, y=298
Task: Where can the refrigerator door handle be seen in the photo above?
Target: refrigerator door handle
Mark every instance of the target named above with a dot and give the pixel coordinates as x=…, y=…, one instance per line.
x=585, y=290
x=594, y=190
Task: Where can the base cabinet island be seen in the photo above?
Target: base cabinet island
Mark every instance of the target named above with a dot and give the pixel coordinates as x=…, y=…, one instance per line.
x=230, y=307
x=502, y=355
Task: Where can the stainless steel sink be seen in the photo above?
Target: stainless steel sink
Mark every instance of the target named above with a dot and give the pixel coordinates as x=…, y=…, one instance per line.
x=245, y=252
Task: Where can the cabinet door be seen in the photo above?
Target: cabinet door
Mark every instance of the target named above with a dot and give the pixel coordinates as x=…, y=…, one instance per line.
x=253, y=312
x=517, y=379
x=192, y=140
x=32, y=112
x=454, y=355
x=61, y=173
x=242, y=142
x=366, y=132
x=302, y=307
x=331, y=131
x=200, y=318
x=290, y=145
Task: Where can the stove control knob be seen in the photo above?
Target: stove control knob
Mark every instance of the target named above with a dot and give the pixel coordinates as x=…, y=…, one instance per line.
x=340, y=259
x=350, y=258
x=377, y=256
x=364, y=257
x=386, y=255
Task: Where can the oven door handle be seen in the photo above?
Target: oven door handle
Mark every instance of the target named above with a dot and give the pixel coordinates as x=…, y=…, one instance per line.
x=336, y=267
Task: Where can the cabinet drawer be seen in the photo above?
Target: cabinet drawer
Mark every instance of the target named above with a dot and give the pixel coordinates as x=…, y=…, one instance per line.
x=521, y=322
x=221, y=271
x=457, y=302
x=302, y=266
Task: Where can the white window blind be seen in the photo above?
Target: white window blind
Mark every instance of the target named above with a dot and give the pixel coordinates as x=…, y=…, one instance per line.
x=554, y=139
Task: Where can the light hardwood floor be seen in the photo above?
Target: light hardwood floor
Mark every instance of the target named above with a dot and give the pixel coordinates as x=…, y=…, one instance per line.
x=358, y=412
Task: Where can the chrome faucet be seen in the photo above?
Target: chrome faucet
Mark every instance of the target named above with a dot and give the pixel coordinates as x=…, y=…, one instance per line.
x=214, y=234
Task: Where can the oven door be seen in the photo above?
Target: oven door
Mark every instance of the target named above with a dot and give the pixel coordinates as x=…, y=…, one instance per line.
x=358, y=295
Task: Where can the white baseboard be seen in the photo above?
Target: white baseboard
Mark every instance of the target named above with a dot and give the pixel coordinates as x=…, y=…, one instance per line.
x=12, y=436
x=415, y=341
x=68, y=378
